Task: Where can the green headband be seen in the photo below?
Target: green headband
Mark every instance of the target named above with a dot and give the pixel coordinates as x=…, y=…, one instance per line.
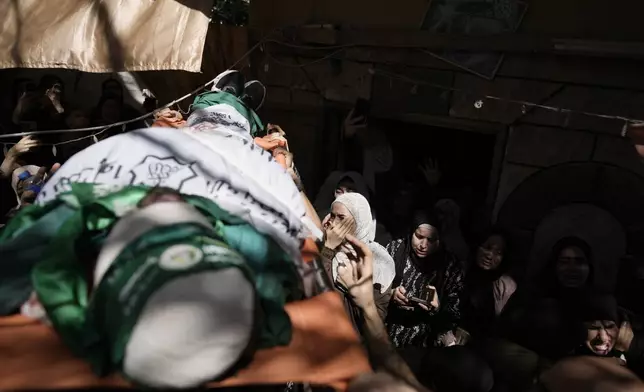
x=72, y=228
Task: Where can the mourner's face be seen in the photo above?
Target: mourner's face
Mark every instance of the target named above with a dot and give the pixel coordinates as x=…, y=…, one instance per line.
x=489, y=255
x=425, y=240
x=339, y=213
x=345, y=186
x=572, y=267
x=601, y=336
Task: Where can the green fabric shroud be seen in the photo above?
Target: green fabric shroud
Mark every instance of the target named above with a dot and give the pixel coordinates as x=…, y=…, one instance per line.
x=139, y=271
x=211, y=98
x=59, y=242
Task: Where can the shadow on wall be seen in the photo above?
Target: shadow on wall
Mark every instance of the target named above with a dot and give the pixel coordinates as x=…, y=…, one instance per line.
x=613, y=197
x=600, y=229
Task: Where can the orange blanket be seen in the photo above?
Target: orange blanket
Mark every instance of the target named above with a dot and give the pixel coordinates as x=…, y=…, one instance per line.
x=325, y=349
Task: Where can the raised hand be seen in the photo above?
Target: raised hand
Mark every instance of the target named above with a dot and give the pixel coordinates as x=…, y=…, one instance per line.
x=431, y=172
x=275, y=129
x=625, y=337
x=352, y=124
x=336, y=234
x=12, y=159
x=25, y=145
x=357, y=274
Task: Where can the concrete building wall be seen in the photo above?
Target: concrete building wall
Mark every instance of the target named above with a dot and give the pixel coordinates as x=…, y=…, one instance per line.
x=545, y=160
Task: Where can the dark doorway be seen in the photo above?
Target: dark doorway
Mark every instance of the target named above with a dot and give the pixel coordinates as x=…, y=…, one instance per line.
x=464, y=159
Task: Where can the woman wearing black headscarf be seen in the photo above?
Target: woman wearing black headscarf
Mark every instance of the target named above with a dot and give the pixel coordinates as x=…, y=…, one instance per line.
x=487, y=294
x=570, y=269
x=543, y=318
x=423, y=331
x=607, y=332
x=488, y=287
x=609, y=355
x=424, y=269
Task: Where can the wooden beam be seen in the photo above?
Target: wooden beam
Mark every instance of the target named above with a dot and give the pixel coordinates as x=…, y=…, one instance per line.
x=417, y=39
x=446, y=122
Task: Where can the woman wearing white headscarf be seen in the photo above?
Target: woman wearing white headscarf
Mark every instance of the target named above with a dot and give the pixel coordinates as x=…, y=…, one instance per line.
x=351, y=214
x=339, y=183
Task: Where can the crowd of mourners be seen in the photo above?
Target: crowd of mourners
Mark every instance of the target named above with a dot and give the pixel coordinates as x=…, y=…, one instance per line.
x=453, y=307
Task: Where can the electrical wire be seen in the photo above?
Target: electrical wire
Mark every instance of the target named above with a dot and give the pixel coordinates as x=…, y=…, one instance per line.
x=391, y=75
x=305, y=64
x=373, y=71
x=503, y=99
x=139, y=118
x=339, y=49
x=308, y=47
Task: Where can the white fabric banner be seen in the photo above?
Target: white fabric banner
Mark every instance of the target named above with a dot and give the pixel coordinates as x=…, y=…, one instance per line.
x=104, y=36
x=234, y=172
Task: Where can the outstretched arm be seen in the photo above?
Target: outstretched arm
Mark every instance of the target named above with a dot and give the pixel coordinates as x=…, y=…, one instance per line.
x=310, y=211
x=12, y=160
x=357, y=277
x=382, y=353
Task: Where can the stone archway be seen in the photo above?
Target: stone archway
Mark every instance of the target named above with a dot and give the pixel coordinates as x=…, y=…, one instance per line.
x=610, y=194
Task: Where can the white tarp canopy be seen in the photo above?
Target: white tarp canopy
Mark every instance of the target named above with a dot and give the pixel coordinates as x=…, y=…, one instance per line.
x=104, y=35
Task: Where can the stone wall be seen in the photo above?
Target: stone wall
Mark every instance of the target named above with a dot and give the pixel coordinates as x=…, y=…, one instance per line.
x=545, y=161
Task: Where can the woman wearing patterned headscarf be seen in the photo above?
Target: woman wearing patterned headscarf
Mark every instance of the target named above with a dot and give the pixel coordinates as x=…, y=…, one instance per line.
x=423, y=266
x=423, y=330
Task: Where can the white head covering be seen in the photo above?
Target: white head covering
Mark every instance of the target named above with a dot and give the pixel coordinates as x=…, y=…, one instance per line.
x=359, y=207
x=384, y=269
x=326, y=195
